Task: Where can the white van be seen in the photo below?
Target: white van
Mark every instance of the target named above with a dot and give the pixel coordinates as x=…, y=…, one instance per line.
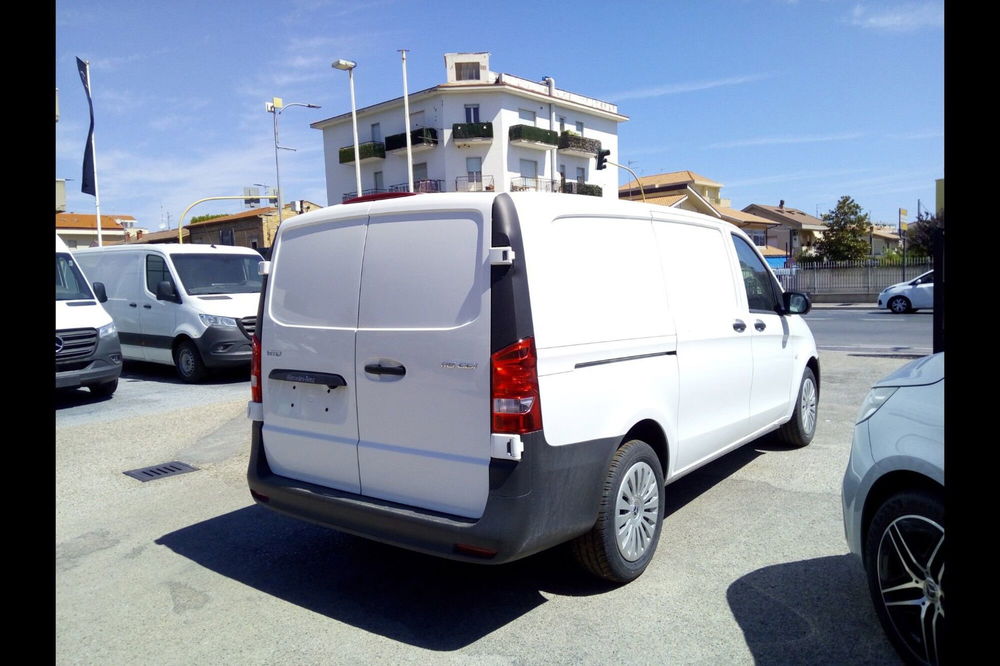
x=482, y=376
x=188, y=305
x=87, y=349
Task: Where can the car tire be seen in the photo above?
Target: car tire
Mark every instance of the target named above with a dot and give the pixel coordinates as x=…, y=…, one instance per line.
x=621, y=544
x=801, y=428
x=188, y=361
x=104, y=390
x=912, y=574
x=899, y=305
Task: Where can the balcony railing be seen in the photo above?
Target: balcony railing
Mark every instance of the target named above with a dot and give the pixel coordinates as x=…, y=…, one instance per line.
x=369, y=150
x=364, y=193
x=468, y=133
x=574, y=144
x=420, y=139
x=546, y=185
x=577, y=187
x=533, y=137
x=424, y=185
x=474, y=184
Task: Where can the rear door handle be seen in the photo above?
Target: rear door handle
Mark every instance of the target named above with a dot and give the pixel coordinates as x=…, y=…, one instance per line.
x=132, y=305
x=379, y=369
x=739, y=326
x=759, y=325
x=148, y=306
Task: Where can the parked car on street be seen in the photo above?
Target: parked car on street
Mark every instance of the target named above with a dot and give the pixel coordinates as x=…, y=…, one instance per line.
x=909, y=296
x=893, y=503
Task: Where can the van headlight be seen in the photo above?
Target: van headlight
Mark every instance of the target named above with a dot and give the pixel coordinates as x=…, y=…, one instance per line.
x=107, y=330
x=873, y=401
x=215, y=320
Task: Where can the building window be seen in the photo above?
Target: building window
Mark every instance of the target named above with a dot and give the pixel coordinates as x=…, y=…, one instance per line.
x=467, y=71
x=759, y=238
x=379, y=181
x=420, y=171
x=526, y=116
x=562, y=124
x=581, y=174
x=579, y=127
x=472, y=113
x=529, y=169
x=376, y=132
x=474, y=168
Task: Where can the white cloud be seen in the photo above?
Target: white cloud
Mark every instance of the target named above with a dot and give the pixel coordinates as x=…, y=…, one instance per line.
x=906, y=17
x=677, y=88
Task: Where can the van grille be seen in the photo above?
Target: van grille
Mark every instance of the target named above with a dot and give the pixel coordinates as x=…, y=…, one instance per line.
x=74, y=344
x=248, y=325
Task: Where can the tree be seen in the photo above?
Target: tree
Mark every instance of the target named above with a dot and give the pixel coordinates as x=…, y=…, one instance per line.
x=206, y=217
x=919, y=235
x=846, y=237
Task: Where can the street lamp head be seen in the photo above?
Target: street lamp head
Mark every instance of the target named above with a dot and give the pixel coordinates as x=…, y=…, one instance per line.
x=345, y=65
x=313, y=106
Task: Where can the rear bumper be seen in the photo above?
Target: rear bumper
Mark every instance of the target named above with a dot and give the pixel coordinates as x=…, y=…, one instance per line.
x=551, y=495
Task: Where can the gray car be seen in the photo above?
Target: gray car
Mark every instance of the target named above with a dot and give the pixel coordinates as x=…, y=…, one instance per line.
x=893, y=501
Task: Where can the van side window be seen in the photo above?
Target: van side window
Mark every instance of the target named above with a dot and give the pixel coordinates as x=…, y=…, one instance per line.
x=756, y=278
x=156, y=272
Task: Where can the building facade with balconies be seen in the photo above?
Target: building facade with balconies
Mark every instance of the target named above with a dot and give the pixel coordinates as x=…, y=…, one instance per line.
x=479, y=131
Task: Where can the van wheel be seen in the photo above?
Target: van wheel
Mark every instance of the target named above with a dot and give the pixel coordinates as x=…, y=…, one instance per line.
x=190, y=367
x=104, y=390
x=801, y=427
x=621, y=543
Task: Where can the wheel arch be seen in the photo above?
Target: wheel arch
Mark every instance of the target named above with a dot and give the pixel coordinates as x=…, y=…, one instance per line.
x=889, y=485
x=652, y=433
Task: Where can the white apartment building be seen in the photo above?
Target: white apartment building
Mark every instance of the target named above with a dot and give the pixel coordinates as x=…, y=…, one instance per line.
x=481, y=130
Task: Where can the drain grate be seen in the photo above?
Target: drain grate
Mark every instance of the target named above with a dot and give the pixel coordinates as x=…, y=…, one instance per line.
x=161, y=471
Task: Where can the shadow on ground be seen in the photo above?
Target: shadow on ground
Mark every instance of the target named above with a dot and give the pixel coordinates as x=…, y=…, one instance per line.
x=810, y=612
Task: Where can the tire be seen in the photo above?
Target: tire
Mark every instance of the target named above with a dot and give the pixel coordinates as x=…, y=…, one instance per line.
x=190, y=367
x=105, y=390
x=631, y=503
x=913, y=576
x=801, y=428
x=899, y=305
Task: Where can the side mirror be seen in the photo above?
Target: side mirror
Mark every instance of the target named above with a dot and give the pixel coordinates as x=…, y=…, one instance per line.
x=165, y=292
x=100, y=292
x=795, y=302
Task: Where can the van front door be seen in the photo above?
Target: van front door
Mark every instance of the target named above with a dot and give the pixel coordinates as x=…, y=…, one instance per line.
x=423, y=360
x=156, y=318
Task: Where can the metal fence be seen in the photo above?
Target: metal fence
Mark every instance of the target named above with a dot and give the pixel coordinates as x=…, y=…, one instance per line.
x=869, y=276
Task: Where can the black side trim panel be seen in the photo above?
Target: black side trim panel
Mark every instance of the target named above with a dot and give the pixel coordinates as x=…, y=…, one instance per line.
x=510, y=307
x=624, y=358
x=307, y=377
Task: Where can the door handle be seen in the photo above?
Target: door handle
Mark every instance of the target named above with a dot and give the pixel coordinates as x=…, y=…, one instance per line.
x=148, y=306
x=132, y=305
x=379, y=369
x=739, y=326
x=759, y=325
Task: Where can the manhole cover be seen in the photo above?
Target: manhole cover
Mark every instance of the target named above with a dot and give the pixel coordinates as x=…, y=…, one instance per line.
x=161, y=471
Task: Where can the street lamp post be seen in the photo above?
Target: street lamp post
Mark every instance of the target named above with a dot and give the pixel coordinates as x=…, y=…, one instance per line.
x=348, y=66
x=275, y=107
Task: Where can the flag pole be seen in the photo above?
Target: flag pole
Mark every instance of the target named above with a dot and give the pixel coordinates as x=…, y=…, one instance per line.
x=89, y=180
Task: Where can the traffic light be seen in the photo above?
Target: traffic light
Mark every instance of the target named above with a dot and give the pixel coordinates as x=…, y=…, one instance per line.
x=602, y=157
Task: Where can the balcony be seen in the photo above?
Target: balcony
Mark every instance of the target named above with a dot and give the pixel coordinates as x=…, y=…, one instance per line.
x=370, y=151
x=529, y=136
x=534, y=185
x=421, y=139
x=424, y=185
x=364, y=193
x=577, y=187
x=474, y=184
x=574, y=144
x=470, y=134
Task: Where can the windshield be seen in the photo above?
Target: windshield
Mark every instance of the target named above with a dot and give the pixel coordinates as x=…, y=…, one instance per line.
x=70, y=284
x=218, y=273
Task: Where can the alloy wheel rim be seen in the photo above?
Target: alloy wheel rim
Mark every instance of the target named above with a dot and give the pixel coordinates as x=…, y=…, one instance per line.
x=637, y=510
x=910, y=568
x=807, y=407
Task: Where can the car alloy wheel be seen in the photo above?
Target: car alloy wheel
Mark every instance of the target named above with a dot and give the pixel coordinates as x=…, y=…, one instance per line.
x=637, y=511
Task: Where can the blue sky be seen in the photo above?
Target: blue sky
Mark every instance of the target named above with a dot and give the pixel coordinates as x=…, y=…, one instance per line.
x=801, y=100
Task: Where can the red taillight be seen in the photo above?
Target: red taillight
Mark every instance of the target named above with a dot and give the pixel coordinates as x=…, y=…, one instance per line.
x=255, y=385
x=516, y=408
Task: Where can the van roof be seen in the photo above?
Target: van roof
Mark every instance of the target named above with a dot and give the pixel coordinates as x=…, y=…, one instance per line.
x=174, y=248
x=537, y=203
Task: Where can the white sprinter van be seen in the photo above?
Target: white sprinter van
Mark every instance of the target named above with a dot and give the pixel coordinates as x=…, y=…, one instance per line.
x=87, y=349
x=482, y=376
x=187, y=305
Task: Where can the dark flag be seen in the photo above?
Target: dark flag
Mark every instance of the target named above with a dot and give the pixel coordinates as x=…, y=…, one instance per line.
x=89, y=185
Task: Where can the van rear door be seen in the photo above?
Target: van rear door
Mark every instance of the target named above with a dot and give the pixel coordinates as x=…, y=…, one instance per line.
x=307, y=333
x=423, y=358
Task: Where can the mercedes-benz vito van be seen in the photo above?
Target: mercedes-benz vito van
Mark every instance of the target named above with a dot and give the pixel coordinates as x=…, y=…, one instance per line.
x=482, y=376
x=187, y=305
x=87, y=349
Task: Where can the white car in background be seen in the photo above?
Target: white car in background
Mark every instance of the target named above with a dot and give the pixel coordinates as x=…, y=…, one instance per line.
x=893, y=502
x=909, y=296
